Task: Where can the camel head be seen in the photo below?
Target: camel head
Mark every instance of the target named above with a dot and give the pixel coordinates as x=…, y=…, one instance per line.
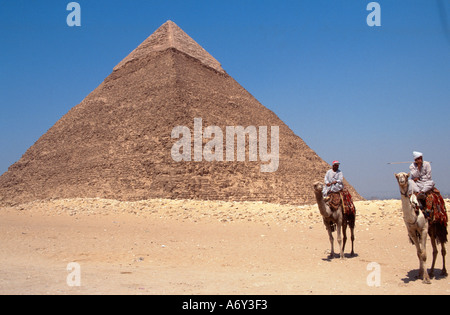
x=402, y=178
x=318, y=187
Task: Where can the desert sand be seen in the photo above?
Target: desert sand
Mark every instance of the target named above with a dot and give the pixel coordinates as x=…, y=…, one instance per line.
x=203, y=247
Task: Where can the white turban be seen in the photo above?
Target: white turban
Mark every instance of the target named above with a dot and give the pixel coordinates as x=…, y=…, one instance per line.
x=417, y=154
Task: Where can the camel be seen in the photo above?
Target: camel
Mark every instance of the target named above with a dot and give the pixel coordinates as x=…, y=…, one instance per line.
x=416, y=224
x=333, y=219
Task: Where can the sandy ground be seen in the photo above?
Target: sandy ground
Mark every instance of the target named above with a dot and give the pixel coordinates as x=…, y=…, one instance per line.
x=201, y=247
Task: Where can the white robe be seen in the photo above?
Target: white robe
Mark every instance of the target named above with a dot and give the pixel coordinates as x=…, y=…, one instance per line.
x=330, y=177
x=424, y=182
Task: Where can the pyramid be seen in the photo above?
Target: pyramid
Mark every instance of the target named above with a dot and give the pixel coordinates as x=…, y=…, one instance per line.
x=117, y=143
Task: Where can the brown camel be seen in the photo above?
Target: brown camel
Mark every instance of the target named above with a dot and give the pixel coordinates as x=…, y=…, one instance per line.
x=333, y=219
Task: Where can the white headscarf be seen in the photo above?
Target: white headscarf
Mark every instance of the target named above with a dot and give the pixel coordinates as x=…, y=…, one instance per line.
x=417, y=154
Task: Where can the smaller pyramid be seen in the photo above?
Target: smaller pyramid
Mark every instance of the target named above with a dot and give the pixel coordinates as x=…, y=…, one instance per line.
x=169, y=35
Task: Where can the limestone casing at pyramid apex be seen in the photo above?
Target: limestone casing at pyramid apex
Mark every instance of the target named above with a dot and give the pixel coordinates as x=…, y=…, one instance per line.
x=170, y=35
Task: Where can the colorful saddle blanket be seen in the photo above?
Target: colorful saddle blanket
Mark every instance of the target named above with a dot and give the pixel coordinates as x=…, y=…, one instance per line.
x=343, y=198
x=434, y=207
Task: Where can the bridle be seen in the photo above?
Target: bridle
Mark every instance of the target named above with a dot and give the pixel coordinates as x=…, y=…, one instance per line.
x=404, y=193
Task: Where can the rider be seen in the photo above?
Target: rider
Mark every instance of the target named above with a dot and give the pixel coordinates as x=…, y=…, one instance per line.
x=420, y=181
x=334, y=180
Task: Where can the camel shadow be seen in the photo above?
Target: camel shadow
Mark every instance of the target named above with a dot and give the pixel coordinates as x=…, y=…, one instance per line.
x=413, y=275
x=330, y=257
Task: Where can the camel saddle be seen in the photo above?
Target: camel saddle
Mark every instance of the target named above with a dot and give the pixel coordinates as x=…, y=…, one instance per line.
x=433, y=207
x=342, y=198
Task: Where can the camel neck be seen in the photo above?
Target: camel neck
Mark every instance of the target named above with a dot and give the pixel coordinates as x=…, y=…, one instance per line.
x=408, y=213
x=321, y=205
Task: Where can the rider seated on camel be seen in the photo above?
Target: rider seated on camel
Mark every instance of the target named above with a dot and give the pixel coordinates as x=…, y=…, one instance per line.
x=334, y=191
x=420, y=182
x=430, y=200
x=334, y=180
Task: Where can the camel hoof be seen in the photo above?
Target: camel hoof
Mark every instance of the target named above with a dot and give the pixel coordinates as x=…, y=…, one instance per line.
x=426, y=281
x=330, y=254
x=444, y=273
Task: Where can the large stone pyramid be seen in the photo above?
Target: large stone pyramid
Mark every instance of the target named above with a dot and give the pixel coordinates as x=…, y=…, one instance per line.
x=117, y=143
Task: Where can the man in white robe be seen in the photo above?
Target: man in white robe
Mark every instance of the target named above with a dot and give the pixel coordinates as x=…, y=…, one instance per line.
x=334, y=180
x=420, y=170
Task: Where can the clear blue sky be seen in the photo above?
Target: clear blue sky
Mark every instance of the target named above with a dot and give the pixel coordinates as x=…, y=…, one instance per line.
x=363, y=95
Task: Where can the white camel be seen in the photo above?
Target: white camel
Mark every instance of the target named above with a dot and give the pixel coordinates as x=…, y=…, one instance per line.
x=416, y=224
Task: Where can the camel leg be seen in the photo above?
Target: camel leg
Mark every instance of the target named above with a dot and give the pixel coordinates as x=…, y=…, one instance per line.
x=344, y=233
x=435, y=253
x=339, y=239
x=422, y=258
x=352, y=232
x=330, y=235
x=443, y=252
x=422, y=253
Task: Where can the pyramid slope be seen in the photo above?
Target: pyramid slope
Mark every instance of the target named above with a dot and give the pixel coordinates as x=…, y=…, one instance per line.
x=117, y=142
